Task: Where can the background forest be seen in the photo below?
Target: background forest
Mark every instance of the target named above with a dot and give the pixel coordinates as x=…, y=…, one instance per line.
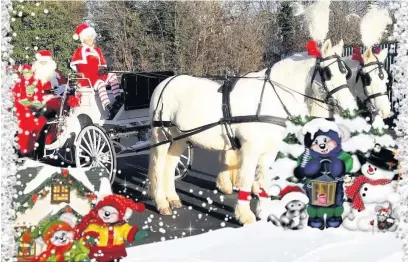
x=207, y=37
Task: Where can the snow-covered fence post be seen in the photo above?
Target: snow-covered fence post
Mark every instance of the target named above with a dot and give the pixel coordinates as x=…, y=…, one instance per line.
x=9, y=129
x=400, y=92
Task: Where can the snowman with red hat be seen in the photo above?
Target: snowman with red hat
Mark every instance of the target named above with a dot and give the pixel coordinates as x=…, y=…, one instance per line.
x=88, y=60
x=289, y=211
x=106, y=225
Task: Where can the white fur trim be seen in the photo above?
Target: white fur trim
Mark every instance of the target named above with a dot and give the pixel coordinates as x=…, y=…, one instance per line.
x=294, y=196
x=274, y=190
x=356, y=164
x=87, y=32
x=75, y=37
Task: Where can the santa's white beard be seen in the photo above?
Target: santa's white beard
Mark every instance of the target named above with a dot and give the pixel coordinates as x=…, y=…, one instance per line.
x=45, y=72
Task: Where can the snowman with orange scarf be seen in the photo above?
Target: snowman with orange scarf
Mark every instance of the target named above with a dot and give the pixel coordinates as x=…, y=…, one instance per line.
x=106, y=225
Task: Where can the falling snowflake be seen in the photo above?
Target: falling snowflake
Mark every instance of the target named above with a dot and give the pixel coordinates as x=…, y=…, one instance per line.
x=46, y=11
x=32, y=14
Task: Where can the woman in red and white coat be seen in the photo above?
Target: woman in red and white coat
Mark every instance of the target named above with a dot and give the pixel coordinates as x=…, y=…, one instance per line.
x=90, y=61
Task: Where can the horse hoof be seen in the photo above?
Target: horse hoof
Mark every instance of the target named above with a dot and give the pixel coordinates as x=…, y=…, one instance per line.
x=175, y=203
x=165, y=211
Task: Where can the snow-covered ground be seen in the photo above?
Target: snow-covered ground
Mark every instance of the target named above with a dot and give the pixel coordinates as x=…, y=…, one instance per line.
x=266, y=243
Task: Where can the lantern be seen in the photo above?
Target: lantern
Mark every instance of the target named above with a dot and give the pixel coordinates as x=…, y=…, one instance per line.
x=323, y=193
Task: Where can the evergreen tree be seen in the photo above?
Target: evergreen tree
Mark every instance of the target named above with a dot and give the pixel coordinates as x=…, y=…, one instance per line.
x=286, y=28
x=45, y=25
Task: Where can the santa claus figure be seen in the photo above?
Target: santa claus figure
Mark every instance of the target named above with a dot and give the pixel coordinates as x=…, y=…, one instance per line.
x=90, y=61
x=48, y=80
x=28, y=108
x=106, y=225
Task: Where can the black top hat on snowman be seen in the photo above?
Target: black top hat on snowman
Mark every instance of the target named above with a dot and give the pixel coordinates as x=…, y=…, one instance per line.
x=382, y=158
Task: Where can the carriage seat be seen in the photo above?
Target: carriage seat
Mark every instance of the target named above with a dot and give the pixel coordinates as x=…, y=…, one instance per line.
x=139, y=87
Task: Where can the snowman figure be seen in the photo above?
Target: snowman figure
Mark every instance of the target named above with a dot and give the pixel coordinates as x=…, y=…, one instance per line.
x=376, y=185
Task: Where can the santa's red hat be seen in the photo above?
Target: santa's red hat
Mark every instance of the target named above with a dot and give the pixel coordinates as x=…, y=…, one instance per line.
x=290, y=193
x=43, y=55
x=82, y=31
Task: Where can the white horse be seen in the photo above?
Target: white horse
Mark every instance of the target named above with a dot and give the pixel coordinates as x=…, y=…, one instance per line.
x=374, y=90
x=189, y=102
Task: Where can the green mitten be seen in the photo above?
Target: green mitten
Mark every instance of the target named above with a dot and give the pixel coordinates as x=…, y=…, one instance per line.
x=141, y=234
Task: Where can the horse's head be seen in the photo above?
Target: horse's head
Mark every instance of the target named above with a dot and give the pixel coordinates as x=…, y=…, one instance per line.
x=334, y=74
x=373, y=77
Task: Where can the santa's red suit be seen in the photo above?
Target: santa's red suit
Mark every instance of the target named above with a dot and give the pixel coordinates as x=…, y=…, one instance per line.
x=88, y=60
x=26, y=96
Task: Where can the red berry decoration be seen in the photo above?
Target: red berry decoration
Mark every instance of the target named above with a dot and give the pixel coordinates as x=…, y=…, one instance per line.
x=65, y=172
x=34, y=198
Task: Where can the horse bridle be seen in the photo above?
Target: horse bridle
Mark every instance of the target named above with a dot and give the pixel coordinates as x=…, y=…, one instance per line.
x=325, y=75
x=366, y=79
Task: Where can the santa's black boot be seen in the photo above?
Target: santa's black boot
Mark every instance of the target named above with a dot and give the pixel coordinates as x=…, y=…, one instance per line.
x=316, y=222
x=119, y=101
x=112, y=111
x=333, y=222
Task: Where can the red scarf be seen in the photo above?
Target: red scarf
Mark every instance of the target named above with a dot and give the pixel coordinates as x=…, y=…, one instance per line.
x=353, y=190
x=59, y=253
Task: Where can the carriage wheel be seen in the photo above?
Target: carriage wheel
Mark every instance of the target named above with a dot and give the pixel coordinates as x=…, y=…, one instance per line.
x=185, y=163
x=93, y=148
